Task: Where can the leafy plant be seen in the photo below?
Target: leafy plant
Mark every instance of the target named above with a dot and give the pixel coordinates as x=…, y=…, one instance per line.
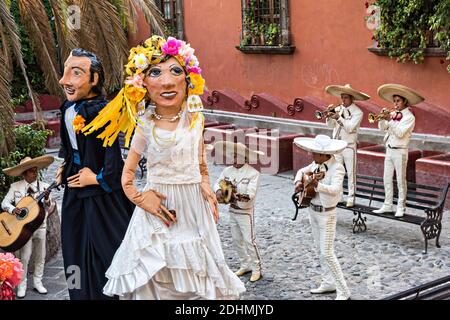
x=19, y=90
x=30, y=142
x=272, y=33
x=256, y=31
x=407, y=27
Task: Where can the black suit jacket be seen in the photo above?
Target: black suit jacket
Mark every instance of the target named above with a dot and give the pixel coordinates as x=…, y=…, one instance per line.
x=107, y=160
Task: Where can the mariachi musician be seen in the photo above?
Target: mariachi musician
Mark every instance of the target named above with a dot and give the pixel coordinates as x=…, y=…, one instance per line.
x=398, y=126
x=243, y=181
x=322, y=209
x=345, y=121
x=30, y=185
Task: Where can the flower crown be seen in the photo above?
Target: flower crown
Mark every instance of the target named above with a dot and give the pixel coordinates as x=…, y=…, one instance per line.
x=153, y=50
x=121, y=112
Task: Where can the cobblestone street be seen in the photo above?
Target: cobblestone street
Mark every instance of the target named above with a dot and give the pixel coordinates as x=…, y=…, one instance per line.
x=384, y=260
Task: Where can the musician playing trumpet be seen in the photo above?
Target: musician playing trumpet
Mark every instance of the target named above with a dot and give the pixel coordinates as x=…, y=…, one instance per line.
x=322, y=208
x=241, y=180
x=345, y=123
x=398, y=126
x=30, y=185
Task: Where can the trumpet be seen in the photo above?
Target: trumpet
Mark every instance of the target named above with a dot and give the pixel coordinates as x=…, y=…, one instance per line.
x=383, y=115
x=228, y=189
x=328, y=112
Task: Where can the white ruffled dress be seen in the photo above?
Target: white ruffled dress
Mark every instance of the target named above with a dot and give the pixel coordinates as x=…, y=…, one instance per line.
x=185, y=260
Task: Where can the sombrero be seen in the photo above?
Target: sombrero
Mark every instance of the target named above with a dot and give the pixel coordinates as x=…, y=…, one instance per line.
x=337, y=90
x=321, y=144
x=387, y=92
x=28, y=163
x=229, y=148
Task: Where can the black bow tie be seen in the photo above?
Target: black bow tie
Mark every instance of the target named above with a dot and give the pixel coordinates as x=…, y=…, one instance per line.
x=30, y=190
x=319, y=166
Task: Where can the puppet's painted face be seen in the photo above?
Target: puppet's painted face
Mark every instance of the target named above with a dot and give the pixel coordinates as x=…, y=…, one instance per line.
x=166, y=84
x=76, y=80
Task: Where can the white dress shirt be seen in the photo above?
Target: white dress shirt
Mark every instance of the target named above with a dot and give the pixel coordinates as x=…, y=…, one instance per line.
x=69, y=117
x=398, y=133
x=329, y=189
x=246, y=180
x=347, y=126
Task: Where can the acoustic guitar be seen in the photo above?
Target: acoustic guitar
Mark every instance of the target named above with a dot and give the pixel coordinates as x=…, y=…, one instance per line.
x=228, y=190
x=17, y=229
x=303, y=198
x=308, y=192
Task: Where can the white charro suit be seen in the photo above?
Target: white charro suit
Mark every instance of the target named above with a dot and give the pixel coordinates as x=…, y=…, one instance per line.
x=242, y=221
x=323, y=224
x=37, y=242
x=398, y=135
x=346, y=128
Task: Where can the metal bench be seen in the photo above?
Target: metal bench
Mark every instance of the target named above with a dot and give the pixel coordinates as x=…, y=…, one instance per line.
x=435, y=290
x=142, y=163
x=429, y=199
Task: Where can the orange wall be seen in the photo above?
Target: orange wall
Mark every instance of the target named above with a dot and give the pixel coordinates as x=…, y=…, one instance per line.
x=331, y=42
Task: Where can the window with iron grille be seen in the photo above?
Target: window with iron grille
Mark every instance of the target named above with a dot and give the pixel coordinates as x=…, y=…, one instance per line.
x=265, y=23
x=172, y=11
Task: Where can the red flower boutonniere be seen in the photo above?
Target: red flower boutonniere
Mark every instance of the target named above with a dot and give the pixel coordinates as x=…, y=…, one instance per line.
x=78, y=124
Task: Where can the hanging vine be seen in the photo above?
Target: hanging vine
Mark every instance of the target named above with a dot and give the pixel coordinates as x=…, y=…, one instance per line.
x=407, y=27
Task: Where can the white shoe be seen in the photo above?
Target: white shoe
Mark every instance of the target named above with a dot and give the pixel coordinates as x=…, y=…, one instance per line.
x=342, y=297
x=324, y=289
x=40, y=288
x=400, y=212
x=242, y=271
x=350, y=202
x=21, y=291
x=256, y=275
x=384, y=208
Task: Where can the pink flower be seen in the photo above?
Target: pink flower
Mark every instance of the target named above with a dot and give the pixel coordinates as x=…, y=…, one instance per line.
x=172, y=46
x=135, y=81
x=196, y=70
x=6, y=291
x=16, y=276
x=186, y=51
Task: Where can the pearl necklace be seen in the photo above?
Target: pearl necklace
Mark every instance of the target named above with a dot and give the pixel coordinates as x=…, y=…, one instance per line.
x=164, y=143
x=170, y=119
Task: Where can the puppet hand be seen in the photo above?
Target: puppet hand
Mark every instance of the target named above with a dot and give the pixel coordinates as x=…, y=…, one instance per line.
x=150, y=201
x=84, y=177
x=211, y=198
x=59, y=173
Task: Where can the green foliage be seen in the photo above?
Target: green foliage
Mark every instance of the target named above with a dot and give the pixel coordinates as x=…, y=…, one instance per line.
x=440, y=22
x=407, y=27
x=271, y=33
x=30, y=142
x=19, y=88
x=257, y=32
x=12, y=159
